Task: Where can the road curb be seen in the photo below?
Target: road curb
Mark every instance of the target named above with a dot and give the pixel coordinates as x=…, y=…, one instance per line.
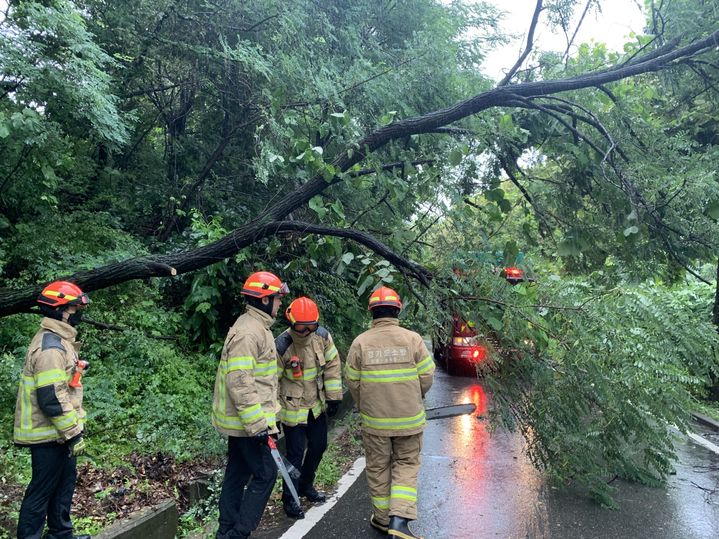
x=158, y=522
x=706, y=420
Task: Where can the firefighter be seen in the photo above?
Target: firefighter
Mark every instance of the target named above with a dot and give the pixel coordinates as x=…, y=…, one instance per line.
x=49, y=418
x=245, y=407
x=310, y=384
x=389, y=371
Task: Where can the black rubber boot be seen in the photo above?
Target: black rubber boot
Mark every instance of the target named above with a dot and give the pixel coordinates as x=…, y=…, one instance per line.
x=399, y=527
x=292, y=510
x=312, y=494
x=377, y=525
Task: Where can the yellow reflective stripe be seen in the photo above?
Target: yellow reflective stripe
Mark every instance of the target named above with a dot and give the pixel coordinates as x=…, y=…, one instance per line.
x=404, y=493
x=425, y=365
x=331, y=353
x=393, y=423
x=380, y=502
x=235, y=423
x=389, y=375
x=240, y=363
x=265, y=369
x=261, y=285
x=28, y=386
x=35, y=435
x=227, y=422
x=333, y=384
x=294, y=416
x=307, y=375
x=52, y=376
x=317, y=409
x=271, y=418
x=249, y=415
x=57, y=294
x=352, y=374
x=65, y=421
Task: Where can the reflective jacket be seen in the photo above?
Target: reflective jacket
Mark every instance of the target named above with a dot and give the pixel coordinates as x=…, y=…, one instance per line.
x=389, y=371
x=321, y=375
x=48, y=410
x=245, y=400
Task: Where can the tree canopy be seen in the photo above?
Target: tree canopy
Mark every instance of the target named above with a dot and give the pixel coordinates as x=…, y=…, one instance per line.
x=348, y=144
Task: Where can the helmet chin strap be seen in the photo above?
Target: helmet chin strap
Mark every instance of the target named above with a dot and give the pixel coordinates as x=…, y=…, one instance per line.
x=75, y=318
x=57, y=314
x=49, y=312
x=258, y=304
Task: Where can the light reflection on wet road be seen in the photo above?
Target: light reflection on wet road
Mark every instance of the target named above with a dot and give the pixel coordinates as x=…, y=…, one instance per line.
x=474, y=484
x=477, y=484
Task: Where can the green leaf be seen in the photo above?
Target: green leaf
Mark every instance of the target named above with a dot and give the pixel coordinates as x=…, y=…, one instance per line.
x=568, y=248
x=713, y=210
x=317, y=206
x=455, y=157
x=387, y=118
x=348, y=257
x=4, y=131
x=631, y=230
x=366, y=283
x=494, y=323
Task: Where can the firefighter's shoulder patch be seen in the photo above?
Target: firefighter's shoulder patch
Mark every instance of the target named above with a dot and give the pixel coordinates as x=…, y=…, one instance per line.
x=283, y=342
x=51, y=340
x=322, y=332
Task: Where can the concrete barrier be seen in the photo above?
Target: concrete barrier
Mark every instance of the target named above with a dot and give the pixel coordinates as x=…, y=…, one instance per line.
x=157, y=522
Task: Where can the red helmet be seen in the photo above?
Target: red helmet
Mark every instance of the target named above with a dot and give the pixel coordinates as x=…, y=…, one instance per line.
x=59, y=293
x=303, y=311
x=264, y=283
x=384, y=296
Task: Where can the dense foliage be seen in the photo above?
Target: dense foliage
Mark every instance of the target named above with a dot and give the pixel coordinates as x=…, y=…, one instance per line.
x=157, y=126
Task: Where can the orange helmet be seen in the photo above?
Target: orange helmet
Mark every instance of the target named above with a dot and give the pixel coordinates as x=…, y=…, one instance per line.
x=59, y=293
x=264, y=283
x=384, y=296
x=303, y=311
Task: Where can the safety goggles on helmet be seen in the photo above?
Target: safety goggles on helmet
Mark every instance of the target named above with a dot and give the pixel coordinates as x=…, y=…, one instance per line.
x=304, y=328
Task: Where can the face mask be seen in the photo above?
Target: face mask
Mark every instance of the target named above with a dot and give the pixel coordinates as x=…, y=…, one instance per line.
x=75, y=318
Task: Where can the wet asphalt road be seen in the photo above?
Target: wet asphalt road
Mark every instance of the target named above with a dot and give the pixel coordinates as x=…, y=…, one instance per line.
x=474, y=484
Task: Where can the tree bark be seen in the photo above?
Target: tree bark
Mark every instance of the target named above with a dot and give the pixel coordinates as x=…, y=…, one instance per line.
x=15, y=301
x=22, y=300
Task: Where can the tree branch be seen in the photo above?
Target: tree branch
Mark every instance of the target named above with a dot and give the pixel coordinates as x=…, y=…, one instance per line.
x=530, y=43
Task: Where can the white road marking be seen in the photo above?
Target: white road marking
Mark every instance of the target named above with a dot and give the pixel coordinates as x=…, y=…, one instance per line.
x=704, y=443
x=315, y=514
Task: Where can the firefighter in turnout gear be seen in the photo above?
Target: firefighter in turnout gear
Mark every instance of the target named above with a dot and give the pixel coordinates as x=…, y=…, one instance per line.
x=49, y=417
x=389, y=371
x=310, y=384
x=245, y=407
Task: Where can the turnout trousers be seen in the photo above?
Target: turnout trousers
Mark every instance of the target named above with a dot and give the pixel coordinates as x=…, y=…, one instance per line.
x=242, y=505
x=392, y=467
x=314, y=435
x=49, y=494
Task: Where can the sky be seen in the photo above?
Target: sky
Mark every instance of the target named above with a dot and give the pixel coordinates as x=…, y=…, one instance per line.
x=612, y=26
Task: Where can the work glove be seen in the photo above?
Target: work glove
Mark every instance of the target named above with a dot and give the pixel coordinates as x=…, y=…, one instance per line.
x=332, y=407
x=76, y=446
x=261, y=437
